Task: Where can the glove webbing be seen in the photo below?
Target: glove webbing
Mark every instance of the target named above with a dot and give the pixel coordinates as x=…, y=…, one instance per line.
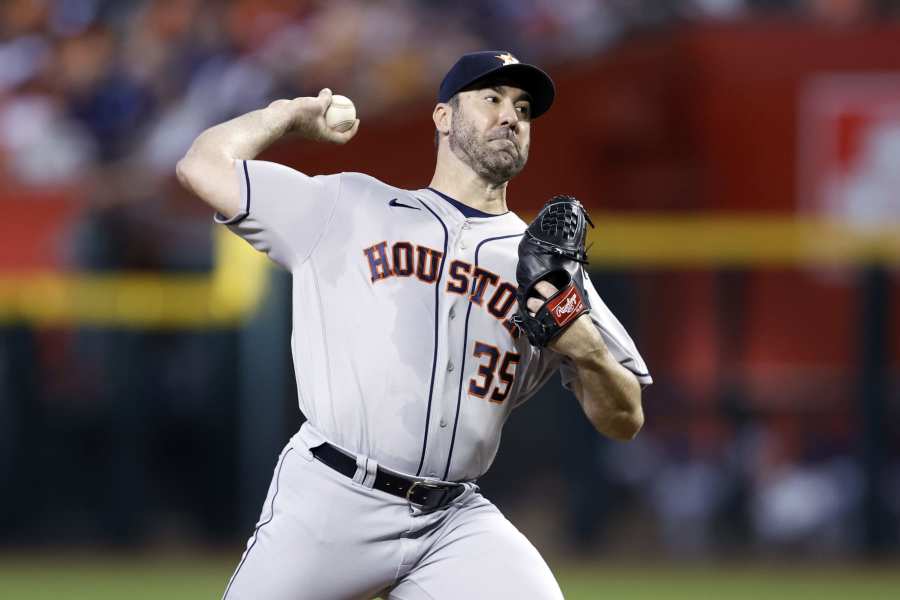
x=548, y=248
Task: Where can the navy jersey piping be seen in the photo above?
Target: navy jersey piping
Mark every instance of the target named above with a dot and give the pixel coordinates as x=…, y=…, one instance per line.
x=242, y=215
x=465, y=353
x=465, y=209
x=437, y=289
x=247, y=179
x=261, y=525
x=635, y=372
x=247, y=207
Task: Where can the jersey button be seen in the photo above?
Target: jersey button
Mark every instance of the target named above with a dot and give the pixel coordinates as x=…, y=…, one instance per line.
x=450, y=366
x=452, y=313
x=466, y=225
x=463, y=245
x=443, y=423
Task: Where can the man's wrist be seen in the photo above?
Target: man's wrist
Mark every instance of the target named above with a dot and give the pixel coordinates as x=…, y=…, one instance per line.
x=582, y=343
x=277, y=119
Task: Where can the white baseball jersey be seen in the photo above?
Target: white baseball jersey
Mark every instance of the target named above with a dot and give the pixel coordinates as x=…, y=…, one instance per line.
x=402, y=342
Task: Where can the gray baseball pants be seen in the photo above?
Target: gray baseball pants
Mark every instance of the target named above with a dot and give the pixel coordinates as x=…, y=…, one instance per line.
x=323, y=536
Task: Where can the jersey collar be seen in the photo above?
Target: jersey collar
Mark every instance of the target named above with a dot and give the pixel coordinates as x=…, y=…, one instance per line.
x=465, y=209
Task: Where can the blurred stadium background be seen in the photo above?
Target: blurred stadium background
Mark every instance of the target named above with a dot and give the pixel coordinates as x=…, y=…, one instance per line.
x=741, y=159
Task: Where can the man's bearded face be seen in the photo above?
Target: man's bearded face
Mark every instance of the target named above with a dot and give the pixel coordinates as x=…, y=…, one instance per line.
x=496, y=152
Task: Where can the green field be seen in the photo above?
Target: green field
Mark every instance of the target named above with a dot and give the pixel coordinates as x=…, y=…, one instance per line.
x=185, y=577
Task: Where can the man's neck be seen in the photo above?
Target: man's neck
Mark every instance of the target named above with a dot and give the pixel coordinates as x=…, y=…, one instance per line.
x=457, y=180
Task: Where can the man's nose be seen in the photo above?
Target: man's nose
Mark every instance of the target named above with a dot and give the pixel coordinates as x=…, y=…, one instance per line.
x=508, y=115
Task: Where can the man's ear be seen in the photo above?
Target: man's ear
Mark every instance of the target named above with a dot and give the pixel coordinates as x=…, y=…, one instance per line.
x=441, y=116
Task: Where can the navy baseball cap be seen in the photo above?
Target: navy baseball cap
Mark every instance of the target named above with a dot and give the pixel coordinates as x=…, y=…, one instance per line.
x=477, y=68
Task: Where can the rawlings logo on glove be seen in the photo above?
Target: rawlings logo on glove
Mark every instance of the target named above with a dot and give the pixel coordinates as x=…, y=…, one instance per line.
x=565, y=307
x=552, y=250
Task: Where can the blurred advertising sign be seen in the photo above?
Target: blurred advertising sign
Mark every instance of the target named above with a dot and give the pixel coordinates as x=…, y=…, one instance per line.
x=849, y=154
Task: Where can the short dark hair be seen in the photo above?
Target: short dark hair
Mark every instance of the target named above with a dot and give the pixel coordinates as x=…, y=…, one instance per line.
x=454, y=104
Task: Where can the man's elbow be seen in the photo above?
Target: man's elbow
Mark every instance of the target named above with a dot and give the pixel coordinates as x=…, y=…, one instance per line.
x=190, y=171
x=634, y=424
x=626, y=425
x=204, y=163
x=183, y=173
x=210, y=179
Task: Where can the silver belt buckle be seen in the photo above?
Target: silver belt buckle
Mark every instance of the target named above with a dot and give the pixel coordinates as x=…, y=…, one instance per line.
x=424, y=484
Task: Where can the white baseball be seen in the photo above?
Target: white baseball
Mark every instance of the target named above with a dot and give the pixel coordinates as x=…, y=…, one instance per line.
x=340, y=114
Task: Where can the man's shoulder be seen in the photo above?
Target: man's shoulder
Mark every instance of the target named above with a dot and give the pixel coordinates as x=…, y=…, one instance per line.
x=363, y=183
x=517, y=222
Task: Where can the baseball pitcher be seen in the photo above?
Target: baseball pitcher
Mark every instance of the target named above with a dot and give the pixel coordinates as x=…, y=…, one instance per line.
x=421, y=319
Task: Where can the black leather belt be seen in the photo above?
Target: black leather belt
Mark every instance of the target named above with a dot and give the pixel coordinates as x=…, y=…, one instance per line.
x=427, y=494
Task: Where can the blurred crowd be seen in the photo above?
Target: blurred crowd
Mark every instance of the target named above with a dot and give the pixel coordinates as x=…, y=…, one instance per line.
x=86, y=83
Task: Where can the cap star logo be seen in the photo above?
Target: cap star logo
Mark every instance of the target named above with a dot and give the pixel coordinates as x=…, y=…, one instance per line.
x=508, y=59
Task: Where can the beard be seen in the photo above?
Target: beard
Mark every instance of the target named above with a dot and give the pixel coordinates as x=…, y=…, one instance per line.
x=494, y=162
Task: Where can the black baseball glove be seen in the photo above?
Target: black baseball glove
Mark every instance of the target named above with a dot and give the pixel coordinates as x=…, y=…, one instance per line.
x=552, y=250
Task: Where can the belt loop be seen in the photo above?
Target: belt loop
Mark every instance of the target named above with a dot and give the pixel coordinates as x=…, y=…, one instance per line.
x=371, y=473
x=361, y=471
x=366, y=469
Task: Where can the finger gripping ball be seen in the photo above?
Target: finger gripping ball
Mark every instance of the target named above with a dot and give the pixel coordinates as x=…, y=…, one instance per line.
x=341, y=114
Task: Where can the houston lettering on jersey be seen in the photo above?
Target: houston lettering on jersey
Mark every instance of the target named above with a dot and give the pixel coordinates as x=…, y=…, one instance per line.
x=484, y=288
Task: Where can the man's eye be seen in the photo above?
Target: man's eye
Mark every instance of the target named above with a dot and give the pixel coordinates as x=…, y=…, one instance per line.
x=491, y=98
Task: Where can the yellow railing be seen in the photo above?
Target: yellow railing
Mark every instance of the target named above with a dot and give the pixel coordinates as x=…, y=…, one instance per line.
x=223, y=297
x=239, y=280
x=704, y=241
